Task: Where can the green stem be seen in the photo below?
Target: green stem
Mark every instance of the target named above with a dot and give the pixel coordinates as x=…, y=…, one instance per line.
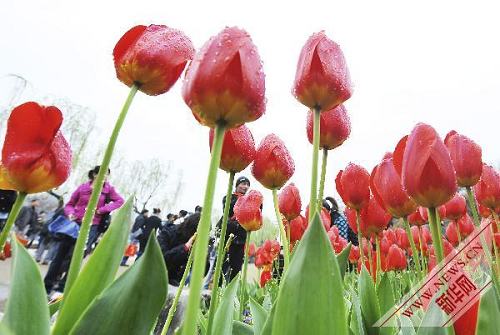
x=284, y=240
x=379, y=264
x=16, y=208
x=413, y=246
x=172, y=309
x=220, y=256
x=435, y=225
x=243, y=283
x=370, y=260
x=496, y=274
x=191, y=316
x=76, y=259
x=360, y=238
x=322, y=178
x=314, y=170
x=422, y=255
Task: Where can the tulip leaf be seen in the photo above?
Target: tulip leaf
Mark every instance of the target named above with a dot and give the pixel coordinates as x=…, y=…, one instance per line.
x=131, y=304
x=432, y=317
x=406, y=326
x=27, y=311
x=488, y=318
x=370, y=308
x=342, y=259
x=385, y=300
x=268, y=325
x=54, y=307
x=240, y=328
x=356, y=324
x=259, y=315
x=99, y=271
x=223, y=321
x=312, y=282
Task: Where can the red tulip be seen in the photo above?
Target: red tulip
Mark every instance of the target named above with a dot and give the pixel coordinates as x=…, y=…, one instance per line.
x=324, y=216
x=496, y=236
x=416, y=219
x=402, y=239
x=466, y=157
x=485, y=212
x=455, y=208
x=265, y=276
x=322, y=79
x=225, y=82
x=353, y=186
x=152, y=57
x=390, y=235
x=273, y=166
x=426, y=234
x=353, y=254
x=466, y=324
x=337, y=241
x=396, y=259
x=297, y=228
x=415, y=233
x=386, y=187
x=487, y=190
x=251, y=250
x=465, y=225
x=238, y=149
x=266, y=254
x=289, y=202
x=35, y=155
x=452, y=233
x=335, y=127
x=384, y=245
x=375, y=218
x=427, y=172
x=247, y=210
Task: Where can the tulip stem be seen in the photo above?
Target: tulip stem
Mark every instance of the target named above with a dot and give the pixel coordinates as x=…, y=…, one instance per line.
x=360, y=238
x=284, y=240
x=322, y=178
x=243, y=285
x=435, y=225
x=220, y=255
x=379, y=264
x=413, y=246
x=314, y=171
x=370, y=262
x=172, y=309
x=16, y=208
x=76, y=259
x=191, y=316
x=495, y=248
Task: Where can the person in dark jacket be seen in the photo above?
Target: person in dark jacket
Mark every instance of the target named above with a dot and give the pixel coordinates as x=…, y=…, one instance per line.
x=28, y=217
x=151, y=224
x=176, y=244
x=234, y=261
x=140, y=220
x=7, y=199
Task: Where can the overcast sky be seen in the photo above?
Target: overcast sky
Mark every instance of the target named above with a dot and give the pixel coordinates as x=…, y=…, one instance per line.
x=428, y=61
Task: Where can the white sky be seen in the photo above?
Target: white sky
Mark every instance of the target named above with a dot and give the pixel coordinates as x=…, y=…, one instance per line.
x=432, y=61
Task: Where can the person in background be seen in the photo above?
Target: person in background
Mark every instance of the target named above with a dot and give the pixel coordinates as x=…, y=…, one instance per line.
x=7, y=199
x=139, y=221
x=170, y=221
x=46, y=240
x=198, y=209
x=340, y=221
x=181, y=216
x=28, y=217
x=151, y=224
x=34, y=230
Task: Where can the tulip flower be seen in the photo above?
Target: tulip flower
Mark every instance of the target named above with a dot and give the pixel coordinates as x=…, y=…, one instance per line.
x=402, y=238
x=427, y=171
x=325, y=217
x=455, y=208
x=466, y=324
x=297, y=228
x=416, y=219
x=225, y=82
x=152, y=57
x=452, y=234
x=265, y=276
x=390, y=235
x=353, y=254
x=466, y=156
x=238, y=149
x=335, y=127
x=322, y=79
x=465, y=226
x=353, y=186
x=289, y=202
x=384, y=245
x=483, y=211
x=487, y=190
x=396, y=259
x=375, y=218
x=247, y=210
x=273, y=166
x=388, y=191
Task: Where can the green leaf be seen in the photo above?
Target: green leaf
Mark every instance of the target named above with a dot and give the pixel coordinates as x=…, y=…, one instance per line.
x=223, y=321
x=259, y=316
x=488, y=318
x=356, y=325
x=342, y=259
x=240, y=328
x=98, y=273
x=268, y=325
x=132, y=303
x=368, y=300
x=202, y=323
x=385, y=300
x=4, y=330
x=310, y=300
x=406, y=326
x=54, y=307
x=27, y=311
x=434, y=316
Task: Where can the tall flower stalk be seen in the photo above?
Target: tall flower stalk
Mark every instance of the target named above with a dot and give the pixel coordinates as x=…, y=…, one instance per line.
x=313, y=202
x=283, y=235
x=414, y=250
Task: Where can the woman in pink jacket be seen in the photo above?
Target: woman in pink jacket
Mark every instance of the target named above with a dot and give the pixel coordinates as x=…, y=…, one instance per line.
x=109, y=200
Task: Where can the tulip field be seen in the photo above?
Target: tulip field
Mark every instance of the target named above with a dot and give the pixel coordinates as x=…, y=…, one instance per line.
x=424, y=257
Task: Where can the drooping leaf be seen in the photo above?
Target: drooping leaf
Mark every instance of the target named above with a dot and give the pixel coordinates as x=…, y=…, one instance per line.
x=223, y=321
x=99, y=271
x=240, y=328
x=27, y=311
x=311, y=289
x=259, y=316
x=370, y=308
x=342, y=259
x=131, y=304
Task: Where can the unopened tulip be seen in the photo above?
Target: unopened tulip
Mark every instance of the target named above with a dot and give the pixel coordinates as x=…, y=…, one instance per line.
x=466, y=156
x=353, y=186
x=238, y=149
x=375, y=218
x=452, y=233
x=152, y=57
x=247, y=210
x=335, y=127
x=273, y=165
x=396, y=259
x=487, y=190
x=455, y=208
x=322, y=79
x=297, y=228
x=388, y=191
x=402, y=239
x=325, y=217
x=289, y=202
x=427, y=171
x=265, y=276
x=465, y=225
x=225, y=82
x=416, y=219
x=35, y=155
x=353, y=254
